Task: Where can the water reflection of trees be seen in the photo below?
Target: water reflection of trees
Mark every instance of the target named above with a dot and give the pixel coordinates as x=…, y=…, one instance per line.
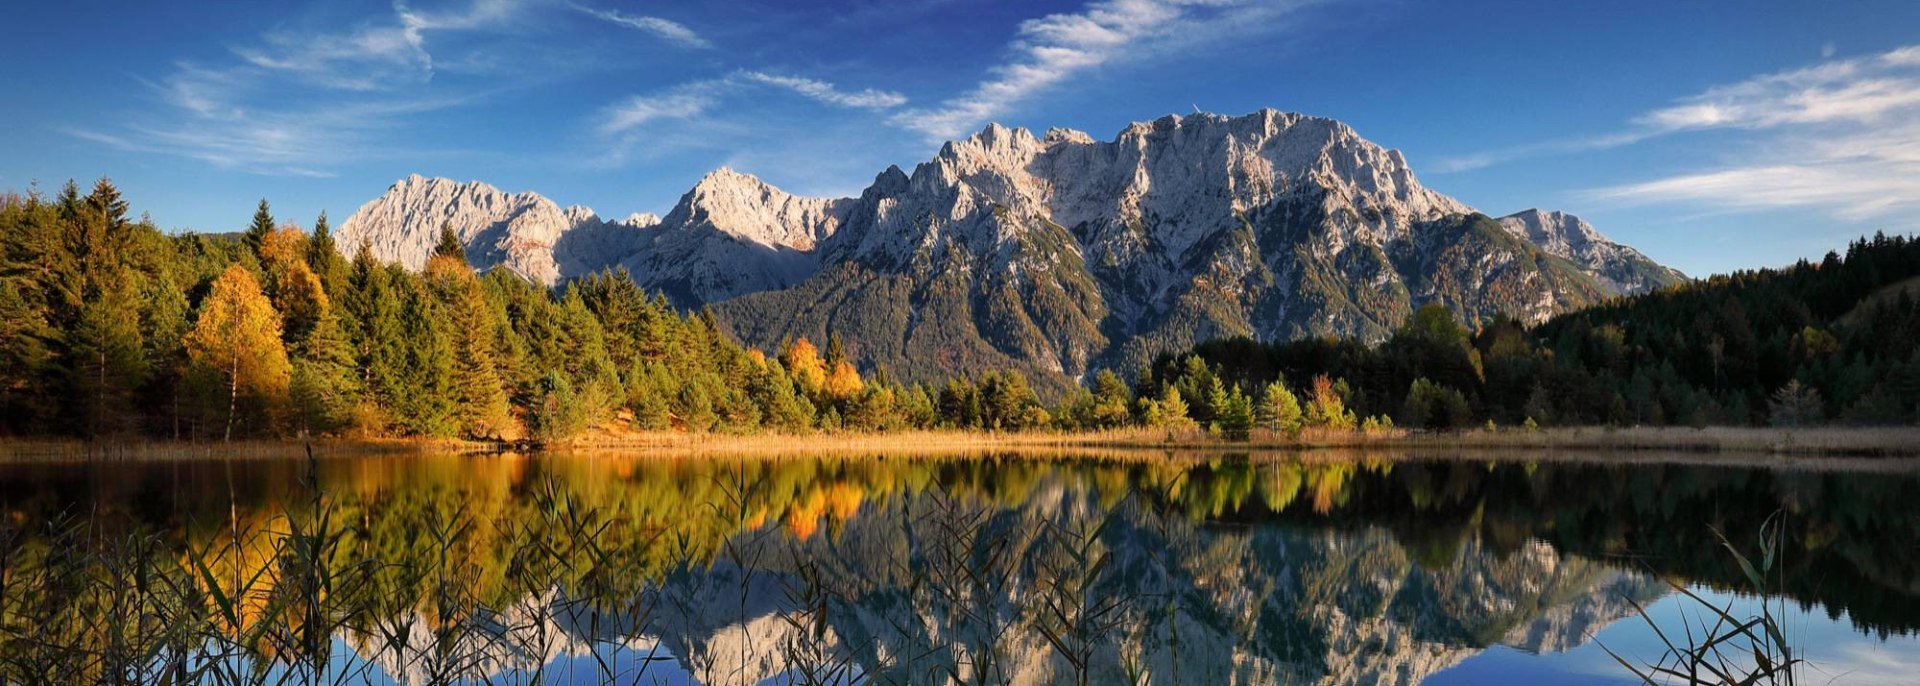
x=889, y=569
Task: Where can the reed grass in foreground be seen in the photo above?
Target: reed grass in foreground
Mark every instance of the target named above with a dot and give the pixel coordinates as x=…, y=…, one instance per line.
x=1714, y=647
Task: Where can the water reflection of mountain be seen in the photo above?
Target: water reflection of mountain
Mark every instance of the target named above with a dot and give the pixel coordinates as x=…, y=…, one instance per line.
x=1191, y=603
x=1007, y=571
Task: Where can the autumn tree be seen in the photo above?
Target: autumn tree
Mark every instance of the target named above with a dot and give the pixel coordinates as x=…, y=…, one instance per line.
x=237, y=341
x=1326, y=409
x=803, y=363
x=291, y=283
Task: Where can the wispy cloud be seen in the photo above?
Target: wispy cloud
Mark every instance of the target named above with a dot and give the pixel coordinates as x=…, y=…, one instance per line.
x=826, y=92
x=680, y=102
x=662, y=28
x=1851, y=91
x=623, y=125
x=1049, y=50
x=1842, y=135
x=352, y=86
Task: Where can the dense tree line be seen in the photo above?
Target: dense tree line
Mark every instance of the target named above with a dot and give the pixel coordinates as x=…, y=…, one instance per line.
x=110, y=327
x=1836, y=341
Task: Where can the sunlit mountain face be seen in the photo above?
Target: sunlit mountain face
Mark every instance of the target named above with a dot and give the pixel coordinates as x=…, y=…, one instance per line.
x=1021, y=569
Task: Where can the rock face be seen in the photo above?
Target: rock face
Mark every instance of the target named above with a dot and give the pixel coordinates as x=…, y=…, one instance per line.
x=1057, y=254
x=1571, y=238
x=523, y=232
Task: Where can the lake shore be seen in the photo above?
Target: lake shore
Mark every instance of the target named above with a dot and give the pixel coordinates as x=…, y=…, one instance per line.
x=1821, y=441
x=1706, y=443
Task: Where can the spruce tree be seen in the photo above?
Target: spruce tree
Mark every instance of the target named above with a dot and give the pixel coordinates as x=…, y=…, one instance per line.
x=449, y=245
x=258, y=230
x=326, y=387
x=479, y=395
x=104, y=359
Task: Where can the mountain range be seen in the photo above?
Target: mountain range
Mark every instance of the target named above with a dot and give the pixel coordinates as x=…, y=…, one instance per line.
x=1055, y=254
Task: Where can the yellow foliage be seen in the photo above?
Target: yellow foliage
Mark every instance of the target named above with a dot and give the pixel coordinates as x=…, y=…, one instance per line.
x=238, y=338
x=845, y=381
x=281, y=248
x=803, y=362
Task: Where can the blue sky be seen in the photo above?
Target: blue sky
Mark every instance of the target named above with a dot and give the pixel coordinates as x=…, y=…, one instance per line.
x=1712, y=135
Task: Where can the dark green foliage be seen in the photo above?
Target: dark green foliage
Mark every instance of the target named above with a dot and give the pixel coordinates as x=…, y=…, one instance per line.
x=1433, y=406
x=1717, y=351
x=258, y=230
x=449, y=245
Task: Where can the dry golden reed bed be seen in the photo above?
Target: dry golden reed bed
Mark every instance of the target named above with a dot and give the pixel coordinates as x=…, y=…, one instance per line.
x=1833, y=441
x=1664, y=444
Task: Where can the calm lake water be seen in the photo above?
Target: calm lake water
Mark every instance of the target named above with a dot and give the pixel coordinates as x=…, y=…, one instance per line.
x=1116, y=568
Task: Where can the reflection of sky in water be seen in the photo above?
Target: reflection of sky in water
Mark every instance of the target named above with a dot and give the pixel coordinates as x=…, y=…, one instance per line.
x=1836, y=652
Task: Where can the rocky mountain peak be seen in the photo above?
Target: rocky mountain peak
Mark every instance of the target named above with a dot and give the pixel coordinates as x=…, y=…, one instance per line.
x=749, y=209
x=1059, y=253
x=1571, y=238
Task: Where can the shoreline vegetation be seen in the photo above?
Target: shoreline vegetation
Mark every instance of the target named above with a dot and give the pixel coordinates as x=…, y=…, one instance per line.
x=1735, y=444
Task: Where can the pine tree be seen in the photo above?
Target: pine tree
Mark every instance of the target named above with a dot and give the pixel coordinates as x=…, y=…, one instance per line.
x=104, y=359
x=421, y=389
x=373, y=312
x=237, y=340
x=325, y=386
x=449, y=245
x=324, y=259
x=479, y=394
x=1112, y=400
x=258, y=230
x=1170, y=411
x=1236, y=415
x=1279, y=410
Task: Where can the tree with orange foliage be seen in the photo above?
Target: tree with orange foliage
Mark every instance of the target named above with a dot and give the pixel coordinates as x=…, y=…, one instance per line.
x=291, y=284
x=237, y=340
x=844, y=383
x=803, y=363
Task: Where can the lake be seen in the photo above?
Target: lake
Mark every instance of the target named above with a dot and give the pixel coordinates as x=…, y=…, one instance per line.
x=1095, y=568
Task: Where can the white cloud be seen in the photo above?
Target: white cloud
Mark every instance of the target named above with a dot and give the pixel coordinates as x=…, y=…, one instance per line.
x=294, y=102
x=663, y=28
x=826, y=92
x=1872, y=90
x=1856, y=175
x=1048, y=50
x=1842, y=135
x=680, y=102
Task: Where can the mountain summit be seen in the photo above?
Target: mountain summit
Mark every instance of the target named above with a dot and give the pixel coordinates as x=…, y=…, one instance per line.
x=1056, y=254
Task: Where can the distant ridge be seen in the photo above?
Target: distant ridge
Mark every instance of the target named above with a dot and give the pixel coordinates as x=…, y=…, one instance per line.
x=1055, y=254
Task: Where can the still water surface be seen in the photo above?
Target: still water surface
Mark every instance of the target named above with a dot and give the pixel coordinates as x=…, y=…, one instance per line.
x=1018, y=569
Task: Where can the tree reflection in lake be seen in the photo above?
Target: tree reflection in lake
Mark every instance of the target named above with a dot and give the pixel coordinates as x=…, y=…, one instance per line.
x=1340, y=569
